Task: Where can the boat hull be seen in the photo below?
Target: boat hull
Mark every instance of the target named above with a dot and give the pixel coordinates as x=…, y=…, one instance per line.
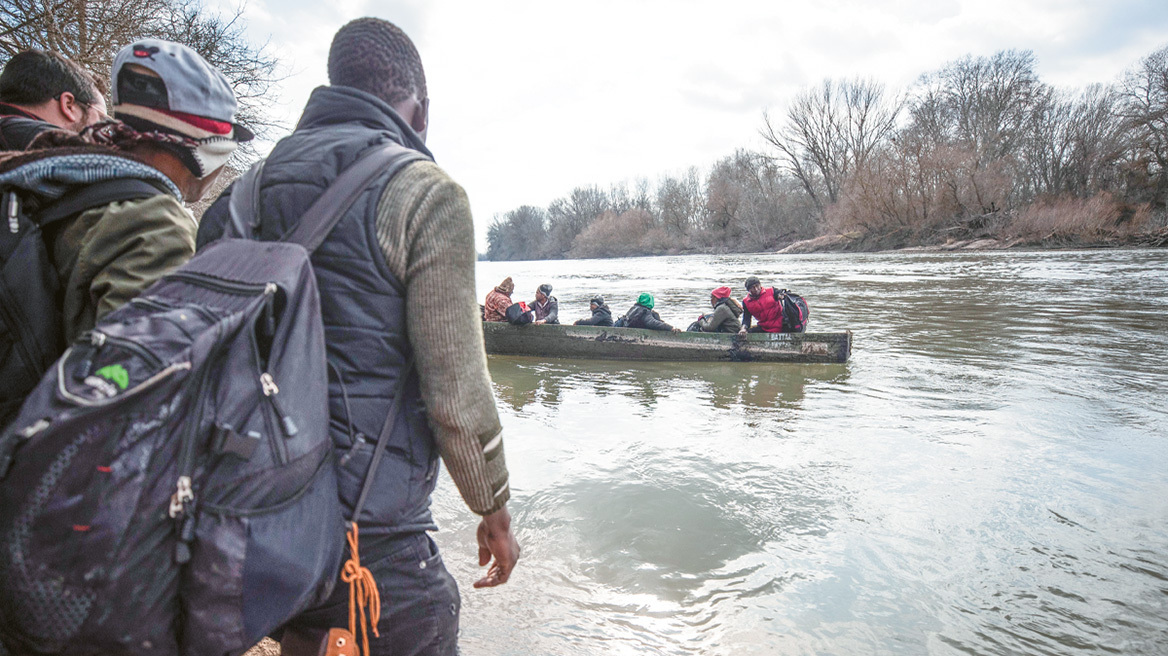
x=600, y=343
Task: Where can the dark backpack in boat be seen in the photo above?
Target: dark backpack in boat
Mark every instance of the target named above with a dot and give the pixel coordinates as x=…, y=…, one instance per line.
x=795, y=311
x=30, y=292
x=518, y=314
x=169, y=486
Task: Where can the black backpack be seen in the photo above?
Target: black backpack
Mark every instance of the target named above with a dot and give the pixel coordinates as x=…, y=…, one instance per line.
x=795, y=311
x=30, y=292
x=169, y=486
x=517, y=316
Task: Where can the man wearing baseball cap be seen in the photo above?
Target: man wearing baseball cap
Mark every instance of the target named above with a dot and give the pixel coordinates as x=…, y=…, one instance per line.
x=109, y=201
x=175, y=115
x=181, y=106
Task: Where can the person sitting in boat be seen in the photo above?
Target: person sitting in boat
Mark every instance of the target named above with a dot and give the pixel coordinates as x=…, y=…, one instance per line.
x=724, y=318
x=498, y=300
x=545, y=306
x=601, y=315
x=642, y=315
x=763, y=304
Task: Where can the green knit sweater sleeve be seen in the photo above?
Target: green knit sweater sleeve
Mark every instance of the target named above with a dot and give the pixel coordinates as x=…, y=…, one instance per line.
x=425, y=230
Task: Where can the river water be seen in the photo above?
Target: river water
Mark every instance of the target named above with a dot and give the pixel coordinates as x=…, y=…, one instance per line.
x=987, y=475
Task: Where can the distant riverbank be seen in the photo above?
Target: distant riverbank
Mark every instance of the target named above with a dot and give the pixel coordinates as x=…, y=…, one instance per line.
x=855, y=242
x=858, y=242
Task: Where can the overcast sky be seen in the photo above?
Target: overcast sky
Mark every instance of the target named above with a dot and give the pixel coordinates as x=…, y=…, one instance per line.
x=531, y=99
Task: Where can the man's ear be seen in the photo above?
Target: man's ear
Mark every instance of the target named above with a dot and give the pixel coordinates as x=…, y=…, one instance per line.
x=421, y=118
x=69, y=107
x=416, y=113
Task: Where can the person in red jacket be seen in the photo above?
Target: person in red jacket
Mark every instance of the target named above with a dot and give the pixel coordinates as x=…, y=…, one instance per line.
x=761, y=303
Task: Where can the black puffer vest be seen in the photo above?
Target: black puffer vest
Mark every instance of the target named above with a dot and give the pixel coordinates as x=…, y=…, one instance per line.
x=363, y=304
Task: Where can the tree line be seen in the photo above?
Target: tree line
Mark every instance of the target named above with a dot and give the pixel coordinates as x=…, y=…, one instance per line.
x=981, y=148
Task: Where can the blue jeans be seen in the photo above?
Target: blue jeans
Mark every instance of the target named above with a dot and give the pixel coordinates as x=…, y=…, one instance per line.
x=419, y=599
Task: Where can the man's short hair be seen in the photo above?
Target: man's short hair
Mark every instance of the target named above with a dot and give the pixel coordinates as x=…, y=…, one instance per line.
x=375, y=56
x=36, y=76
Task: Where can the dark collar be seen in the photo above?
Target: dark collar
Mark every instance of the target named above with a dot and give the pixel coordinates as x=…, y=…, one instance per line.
x=13, y=110
x=336, y=105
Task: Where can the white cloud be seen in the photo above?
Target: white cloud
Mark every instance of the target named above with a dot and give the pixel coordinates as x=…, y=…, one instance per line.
x=530, y=99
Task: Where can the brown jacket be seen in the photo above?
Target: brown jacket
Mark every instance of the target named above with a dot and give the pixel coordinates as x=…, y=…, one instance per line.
x=496, y=305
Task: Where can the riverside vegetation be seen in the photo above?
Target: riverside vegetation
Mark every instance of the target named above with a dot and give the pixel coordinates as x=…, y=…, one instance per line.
x=978, y=154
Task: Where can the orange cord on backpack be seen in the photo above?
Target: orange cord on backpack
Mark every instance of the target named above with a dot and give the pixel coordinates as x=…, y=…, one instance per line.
x=362, y=591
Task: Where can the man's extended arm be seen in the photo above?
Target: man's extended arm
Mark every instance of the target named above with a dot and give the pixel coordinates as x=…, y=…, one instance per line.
x=425, y=231
x=745, y=319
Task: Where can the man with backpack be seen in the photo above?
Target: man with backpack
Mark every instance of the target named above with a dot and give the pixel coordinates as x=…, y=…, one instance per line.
x=40, y=91
x=396, y=279
x=642, y=315
x=92, y=220
x=777, y=310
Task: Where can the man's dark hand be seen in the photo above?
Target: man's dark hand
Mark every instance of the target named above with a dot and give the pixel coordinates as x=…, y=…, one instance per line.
x=496, y=539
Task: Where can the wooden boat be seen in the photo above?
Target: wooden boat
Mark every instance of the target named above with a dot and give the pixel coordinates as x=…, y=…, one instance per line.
x=597, y=343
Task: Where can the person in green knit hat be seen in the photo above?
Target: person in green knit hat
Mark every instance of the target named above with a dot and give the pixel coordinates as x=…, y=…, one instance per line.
x=642, y=315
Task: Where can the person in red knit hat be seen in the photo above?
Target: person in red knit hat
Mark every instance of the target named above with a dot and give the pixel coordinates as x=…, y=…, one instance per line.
x=724, y=318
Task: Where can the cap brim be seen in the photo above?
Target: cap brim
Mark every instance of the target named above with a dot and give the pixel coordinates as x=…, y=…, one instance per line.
x=241, y=133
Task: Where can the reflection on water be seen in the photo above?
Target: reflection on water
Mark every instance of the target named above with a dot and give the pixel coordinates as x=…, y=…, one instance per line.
x=522, y=381
x=985, y=476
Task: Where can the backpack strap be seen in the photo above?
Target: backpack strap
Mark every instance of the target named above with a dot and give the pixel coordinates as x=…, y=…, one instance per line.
x=4, y=143
x=383, y=437
x=362, y=586
x=245, y=220
x=326, y=212
x=97, y=194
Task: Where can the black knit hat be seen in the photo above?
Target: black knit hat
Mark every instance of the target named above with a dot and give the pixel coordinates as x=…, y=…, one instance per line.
x=546, y=289
x=752, y=281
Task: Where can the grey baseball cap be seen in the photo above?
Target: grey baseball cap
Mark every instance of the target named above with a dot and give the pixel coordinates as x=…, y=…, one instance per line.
x=190, y=85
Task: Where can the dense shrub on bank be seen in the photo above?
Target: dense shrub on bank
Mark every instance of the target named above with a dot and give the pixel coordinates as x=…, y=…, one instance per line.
x=1098, y=219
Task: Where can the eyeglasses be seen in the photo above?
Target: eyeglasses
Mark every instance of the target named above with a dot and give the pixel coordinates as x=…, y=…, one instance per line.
x=87, y=107
x=101, y=115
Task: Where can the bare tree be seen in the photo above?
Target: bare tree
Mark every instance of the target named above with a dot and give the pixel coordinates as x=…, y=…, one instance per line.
x=520, y=234
x=568, y=217
x=91, y=32
x=1075, y=143
x=680, y=202
x=984, y=104
x=830, y=131
x=1144, y=108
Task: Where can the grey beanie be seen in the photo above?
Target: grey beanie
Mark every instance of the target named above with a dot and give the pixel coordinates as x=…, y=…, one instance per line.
x=546, y=289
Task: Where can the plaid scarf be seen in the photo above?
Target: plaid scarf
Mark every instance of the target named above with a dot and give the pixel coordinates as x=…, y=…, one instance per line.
x=56, y=160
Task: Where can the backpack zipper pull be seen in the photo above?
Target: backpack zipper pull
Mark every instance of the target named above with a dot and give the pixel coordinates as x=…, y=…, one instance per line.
x=270, y=391
x=183, y=494
x=13, y=213
x=97, y=339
